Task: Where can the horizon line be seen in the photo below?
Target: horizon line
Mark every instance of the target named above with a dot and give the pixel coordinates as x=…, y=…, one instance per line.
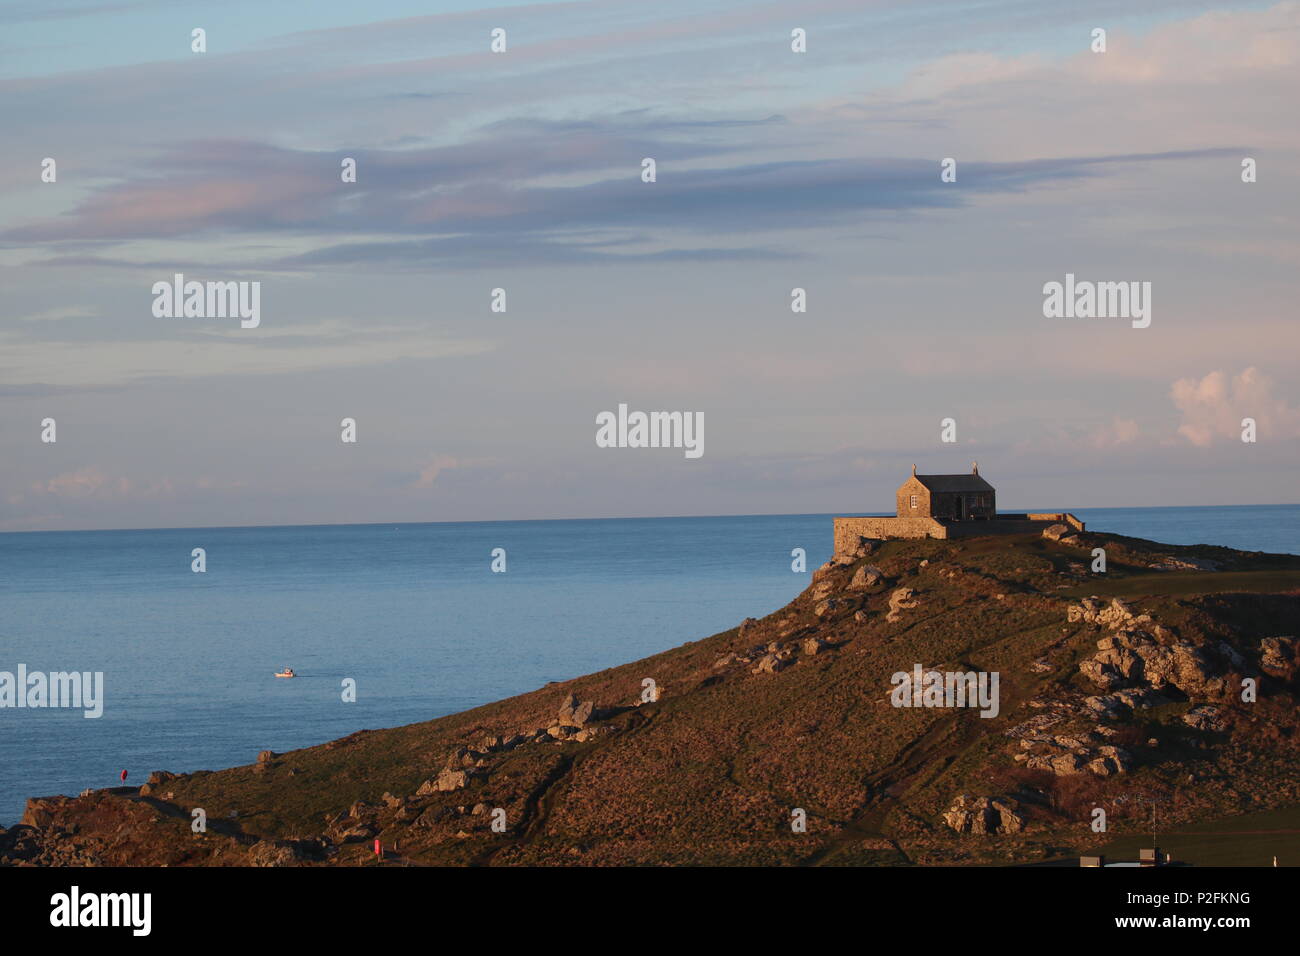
x=774, y=514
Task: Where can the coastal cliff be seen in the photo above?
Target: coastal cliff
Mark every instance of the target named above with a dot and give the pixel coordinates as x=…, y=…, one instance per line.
x=1169, y=681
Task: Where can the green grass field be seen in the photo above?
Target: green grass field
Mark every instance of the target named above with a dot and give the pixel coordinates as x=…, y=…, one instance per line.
x=1252, y=839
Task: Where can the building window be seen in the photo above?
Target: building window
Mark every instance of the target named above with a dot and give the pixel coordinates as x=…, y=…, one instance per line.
x=913, y=501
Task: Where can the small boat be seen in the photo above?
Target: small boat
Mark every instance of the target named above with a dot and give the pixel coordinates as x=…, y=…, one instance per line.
x=287, y=672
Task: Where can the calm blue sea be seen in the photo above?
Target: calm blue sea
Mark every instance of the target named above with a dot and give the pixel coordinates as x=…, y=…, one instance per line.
x=413, y=613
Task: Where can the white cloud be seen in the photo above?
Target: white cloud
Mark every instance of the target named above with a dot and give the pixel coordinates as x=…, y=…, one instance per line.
x=1213, y=407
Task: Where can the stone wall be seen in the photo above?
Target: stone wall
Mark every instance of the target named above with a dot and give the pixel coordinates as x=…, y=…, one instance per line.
x=848, y=530
x=1057, y=517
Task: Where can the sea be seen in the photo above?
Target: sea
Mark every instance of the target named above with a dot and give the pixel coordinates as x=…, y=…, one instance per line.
x=412, y=614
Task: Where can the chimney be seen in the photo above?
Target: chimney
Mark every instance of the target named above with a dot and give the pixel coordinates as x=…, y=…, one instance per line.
x=974, y=467
x=914, y=471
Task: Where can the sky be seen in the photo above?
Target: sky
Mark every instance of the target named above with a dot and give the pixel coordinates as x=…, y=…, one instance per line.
x=522, y=170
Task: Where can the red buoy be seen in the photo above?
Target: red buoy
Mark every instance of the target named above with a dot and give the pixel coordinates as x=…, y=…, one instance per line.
x=124, y=776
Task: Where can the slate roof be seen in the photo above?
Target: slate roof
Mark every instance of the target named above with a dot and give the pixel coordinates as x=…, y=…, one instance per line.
x=954, y=483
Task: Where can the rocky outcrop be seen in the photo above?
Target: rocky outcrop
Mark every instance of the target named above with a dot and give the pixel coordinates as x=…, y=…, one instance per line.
x=1184, y=667
x=860, y=548
x=820, y=573
x=1110, y=759
x=1068, y=754
x=19, y=844
x=42, y=811
x=1121, y=704
x=1205, y=717
x=1143, y=654
x=770, y=664
x=867, y=576
x=575, y=713
x=1184, y=564
x=445, y=781
x=267, y=853
x=1114, y=615
x=813, y=646
x=983, y=815
x=1277, y=655
x=498, y=744
x=157, y=779
x=1058, y=532
x=901, y=600
x=1116, y=662
x=826, y=607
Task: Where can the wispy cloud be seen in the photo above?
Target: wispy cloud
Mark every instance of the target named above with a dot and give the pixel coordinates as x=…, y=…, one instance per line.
x=116, y=362
x=489, y=202
x=62, y=312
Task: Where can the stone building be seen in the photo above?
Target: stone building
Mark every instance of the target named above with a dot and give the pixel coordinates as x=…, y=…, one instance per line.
x=947, y=497
x=945, y=506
